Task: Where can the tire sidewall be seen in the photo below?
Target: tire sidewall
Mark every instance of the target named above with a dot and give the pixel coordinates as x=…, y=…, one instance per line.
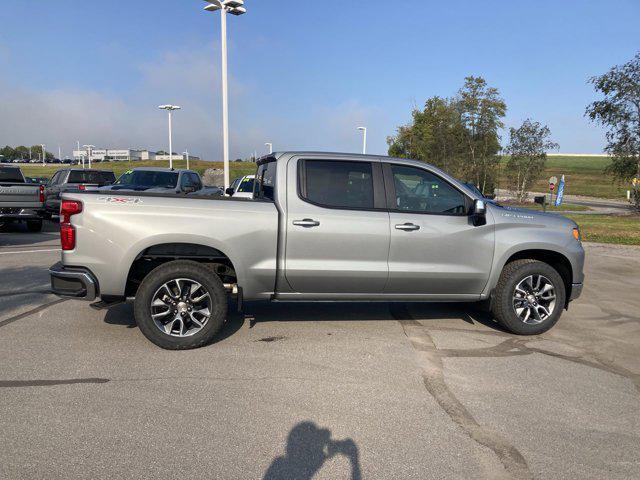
x=510, y=319
x=172, y=270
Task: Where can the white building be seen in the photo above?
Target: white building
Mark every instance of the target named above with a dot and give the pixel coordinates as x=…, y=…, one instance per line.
x=101, y=155
x=127, y=155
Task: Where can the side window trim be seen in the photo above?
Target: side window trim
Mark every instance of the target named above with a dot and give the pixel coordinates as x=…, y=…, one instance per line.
x=391, y=192
x=379, y=203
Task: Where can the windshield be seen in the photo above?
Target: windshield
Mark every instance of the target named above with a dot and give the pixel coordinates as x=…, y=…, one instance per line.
x=246, y=185
x=101, y=178
x=11, y=175
x=148, y=179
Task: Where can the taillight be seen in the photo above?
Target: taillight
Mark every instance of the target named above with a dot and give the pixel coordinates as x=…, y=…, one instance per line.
x=67, y=236
x=41, y=193
x=82, y=187
x=68, y=208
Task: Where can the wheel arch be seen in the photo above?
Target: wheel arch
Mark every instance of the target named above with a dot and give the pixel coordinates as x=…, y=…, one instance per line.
x=155, y=255
x=559, y=261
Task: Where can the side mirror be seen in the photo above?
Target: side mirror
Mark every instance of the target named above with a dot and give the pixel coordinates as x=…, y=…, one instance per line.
x=479, y=212
x=229, y=191
x=189, y=189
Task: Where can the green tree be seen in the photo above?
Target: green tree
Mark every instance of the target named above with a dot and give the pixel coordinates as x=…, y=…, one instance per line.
x=7, y=153
x=619, y=112
x=527, y=149
x=481, y=110
x=459, y=134
x=434, y=136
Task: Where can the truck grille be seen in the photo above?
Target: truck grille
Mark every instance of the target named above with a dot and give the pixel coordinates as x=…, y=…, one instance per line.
x=9, y=211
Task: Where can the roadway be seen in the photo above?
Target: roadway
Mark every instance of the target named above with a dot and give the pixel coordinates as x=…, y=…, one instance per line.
x=339, y=391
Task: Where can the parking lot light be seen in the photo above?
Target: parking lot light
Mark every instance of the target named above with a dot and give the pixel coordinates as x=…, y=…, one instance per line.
x=89, y=149
x=169, y=109
x=270, y=145
x=364, y=139
x=43, y=154
x=234, y=7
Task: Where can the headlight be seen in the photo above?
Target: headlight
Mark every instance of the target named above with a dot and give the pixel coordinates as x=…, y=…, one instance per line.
x=576, y=233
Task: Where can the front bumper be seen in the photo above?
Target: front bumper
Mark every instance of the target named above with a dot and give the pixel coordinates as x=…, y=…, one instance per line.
x=576, y=291
x=73, y=282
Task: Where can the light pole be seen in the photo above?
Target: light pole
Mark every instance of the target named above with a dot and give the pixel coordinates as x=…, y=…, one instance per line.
x=186, y=154
x=169, y=109
x=270, y=145
x=364, y=139
x=44, y=154
x=89, y=152
x=234, y=7
x=81, y=155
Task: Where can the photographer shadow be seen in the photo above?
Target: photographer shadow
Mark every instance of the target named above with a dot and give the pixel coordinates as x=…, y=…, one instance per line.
x=308, y=447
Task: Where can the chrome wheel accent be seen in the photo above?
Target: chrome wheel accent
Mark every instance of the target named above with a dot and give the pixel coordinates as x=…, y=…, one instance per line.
x=534, y=299
x=181, y=307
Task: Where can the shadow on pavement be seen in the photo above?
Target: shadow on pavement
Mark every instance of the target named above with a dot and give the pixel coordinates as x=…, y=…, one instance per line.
x=308, y=447
x=258, y=312
x=122, y=314
x=16, y=234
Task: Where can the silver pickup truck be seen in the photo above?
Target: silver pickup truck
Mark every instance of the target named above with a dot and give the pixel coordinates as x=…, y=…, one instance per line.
x=321, y=227
x=20, y=201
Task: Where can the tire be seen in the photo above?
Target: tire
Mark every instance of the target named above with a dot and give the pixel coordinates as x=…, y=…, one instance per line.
x=510, y=306
x=34, y=226
x=185, y=333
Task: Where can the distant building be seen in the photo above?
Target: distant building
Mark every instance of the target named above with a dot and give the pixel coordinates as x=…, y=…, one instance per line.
x=176, y=157
x=126, y=155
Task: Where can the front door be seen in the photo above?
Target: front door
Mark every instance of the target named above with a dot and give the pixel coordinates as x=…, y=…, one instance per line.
x=337, y=227
x=435, y=247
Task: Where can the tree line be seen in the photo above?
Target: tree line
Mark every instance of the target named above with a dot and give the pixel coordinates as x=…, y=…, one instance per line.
x=22, y=153
x=461, y=134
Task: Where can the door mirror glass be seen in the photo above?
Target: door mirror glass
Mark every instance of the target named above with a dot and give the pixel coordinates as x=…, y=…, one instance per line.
x=480, y=208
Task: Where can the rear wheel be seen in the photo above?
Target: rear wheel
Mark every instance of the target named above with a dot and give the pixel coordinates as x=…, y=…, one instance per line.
x=181, y=305
x=529, y=297
x=34, y=226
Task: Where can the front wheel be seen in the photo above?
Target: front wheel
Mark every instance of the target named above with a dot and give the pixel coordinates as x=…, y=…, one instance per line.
x=529, y=297
x=180, y=305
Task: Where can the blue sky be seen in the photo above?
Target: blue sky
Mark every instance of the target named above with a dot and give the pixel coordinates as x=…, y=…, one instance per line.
x=302, y=76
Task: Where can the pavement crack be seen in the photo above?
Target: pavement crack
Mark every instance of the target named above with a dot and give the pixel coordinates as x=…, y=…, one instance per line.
x=38, y=309
x=433, y=378
x=48, y=383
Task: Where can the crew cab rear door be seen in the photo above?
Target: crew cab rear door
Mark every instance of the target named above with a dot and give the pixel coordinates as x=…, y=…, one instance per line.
x=337, y=226
x=436, y=248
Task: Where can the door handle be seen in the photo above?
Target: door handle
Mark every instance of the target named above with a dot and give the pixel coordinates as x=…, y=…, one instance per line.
x=407, y=227
x=306, y=222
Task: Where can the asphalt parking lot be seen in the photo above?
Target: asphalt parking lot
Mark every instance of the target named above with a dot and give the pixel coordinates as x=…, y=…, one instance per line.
x=319, y=390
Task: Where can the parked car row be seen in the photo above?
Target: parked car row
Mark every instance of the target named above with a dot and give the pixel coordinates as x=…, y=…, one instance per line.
x=31, y=199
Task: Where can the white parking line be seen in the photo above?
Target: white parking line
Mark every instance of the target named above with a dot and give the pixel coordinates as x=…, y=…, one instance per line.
x=31, y=251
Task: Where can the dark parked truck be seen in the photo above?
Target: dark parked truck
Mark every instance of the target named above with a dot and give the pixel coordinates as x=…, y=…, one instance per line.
x=163, y=180
x=320, y=227
x=20, y=201
x=74, y=180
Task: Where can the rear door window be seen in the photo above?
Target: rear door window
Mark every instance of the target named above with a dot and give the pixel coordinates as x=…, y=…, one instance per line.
x=338, y=184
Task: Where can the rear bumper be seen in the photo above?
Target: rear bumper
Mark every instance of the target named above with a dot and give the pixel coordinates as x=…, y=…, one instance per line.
x=73, y=282
x=576, y=291
x=20, y=214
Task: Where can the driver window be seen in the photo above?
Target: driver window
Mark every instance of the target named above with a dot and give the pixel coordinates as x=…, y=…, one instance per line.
x=185, y=181
x=421, y=191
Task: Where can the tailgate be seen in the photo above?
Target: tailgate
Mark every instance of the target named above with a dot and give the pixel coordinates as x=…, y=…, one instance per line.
x=20, y=195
